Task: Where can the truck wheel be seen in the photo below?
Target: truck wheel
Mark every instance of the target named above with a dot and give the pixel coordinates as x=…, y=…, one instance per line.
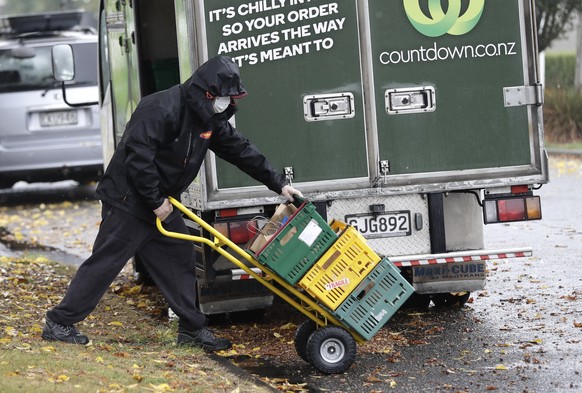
x=417, y=301
x=451, y=300
x=302, y=336
x=331, y=349
x=248, y=315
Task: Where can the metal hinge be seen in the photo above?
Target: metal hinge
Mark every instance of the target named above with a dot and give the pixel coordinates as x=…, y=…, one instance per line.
x=384, y=167
x=289, y=173
x=125, y=43
x=523, y=95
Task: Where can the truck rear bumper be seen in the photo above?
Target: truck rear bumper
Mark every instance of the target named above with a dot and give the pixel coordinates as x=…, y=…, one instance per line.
x=455, y=271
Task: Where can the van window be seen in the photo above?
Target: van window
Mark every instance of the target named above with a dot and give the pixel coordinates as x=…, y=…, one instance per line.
x=35, y=73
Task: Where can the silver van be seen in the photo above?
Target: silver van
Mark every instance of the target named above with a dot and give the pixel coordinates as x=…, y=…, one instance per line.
x=41, y=137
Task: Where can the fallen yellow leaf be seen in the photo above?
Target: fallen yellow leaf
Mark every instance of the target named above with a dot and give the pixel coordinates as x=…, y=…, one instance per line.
x=163, y=387
x=9, y=330
x=500, y=367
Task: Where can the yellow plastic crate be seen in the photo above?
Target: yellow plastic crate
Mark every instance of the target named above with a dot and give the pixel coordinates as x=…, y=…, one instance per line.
x=339, y=271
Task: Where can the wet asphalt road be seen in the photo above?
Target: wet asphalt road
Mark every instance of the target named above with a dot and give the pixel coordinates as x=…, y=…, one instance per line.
x=523, y=333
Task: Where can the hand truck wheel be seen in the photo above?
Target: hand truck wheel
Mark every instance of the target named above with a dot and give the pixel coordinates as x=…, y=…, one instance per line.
x=331, y=349
x=302, y=336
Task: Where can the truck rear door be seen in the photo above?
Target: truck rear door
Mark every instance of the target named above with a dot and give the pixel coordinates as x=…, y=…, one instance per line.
x=122, y=60
x=300, y=62
x=354, y=94
x=451, y=86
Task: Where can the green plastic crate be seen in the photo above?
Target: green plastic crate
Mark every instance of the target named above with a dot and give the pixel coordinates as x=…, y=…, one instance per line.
x=380, y=294
x=298, y=244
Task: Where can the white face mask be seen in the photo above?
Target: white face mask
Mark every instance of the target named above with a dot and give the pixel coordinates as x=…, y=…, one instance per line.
x=220, y=104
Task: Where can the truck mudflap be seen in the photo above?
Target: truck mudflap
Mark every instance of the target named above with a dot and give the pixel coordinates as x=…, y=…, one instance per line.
x=455, y=271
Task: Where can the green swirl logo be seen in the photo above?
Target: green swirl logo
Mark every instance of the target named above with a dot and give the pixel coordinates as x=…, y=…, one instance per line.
x=440, y=22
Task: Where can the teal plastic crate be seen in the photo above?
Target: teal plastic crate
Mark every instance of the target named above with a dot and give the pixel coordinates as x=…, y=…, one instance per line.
x=372, y=303
x=298, y=244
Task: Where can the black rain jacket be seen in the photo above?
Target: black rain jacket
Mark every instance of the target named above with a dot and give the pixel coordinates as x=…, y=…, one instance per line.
x=168, y=136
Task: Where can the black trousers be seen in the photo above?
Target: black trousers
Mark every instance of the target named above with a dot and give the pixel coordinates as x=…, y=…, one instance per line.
x=170, y=263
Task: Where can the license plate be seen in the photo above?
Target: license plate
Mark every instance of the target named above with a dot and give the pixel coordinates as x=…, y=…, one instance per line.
x=58, y=118
x=387, y=224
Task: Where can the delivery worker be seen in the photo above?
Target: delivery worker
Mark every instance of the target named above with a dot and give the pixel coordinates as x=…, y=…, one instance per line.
x=159, y=155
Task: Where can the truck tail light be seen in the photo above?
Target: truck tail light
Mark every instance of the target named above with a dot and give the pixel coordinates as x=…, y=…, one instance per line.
x=511, y=209
x=239, y=232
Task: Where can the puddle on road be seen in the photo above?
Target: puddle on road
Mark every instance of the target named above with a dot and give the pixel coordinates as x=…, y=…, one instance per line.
x=53, y=255
x=264, y=369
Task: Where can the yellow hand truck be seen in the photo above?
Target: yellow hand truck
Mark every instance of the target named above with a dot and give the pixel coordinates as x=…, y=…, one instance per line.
x=326, y=340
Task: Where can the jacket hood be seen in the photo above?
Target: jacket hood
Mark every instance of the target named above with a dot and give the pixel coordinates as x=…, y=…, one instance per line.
x=220, y=76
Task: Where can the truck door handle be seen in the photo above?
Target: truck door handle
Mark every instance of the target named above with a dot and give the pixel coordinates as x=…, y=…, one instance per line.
x=410, y=100
x=328, y=106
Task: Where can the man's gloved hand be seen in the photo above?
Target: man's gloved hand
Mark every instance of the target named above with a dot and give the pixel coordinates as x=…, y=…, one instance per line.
x=289, y=191
x=164, y=210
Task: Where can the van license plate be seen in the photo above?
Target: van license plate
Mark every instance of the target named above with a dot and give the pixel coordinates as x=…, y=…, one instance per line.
x=58, y=118
x=387, y=224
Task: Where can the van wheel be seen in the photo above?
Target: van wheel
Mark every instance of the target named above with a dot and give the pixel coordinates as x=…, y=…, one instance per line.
x=331, y=349
x=302, y=336
x=450, y=300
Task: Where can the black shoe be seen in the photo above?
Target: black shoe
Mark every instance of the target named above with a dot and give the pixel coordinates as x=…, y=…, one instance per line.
x=203, y=338
x=67, y=334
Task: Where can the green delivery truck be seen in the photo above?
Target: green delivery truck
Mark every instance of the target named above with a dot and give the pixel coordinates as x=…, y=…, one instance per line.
x=417, y=122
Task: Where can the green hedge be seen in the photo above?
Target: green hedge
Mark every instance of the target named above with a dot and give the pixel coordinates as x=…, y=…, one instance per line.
x=562, y=104
x=560, y=70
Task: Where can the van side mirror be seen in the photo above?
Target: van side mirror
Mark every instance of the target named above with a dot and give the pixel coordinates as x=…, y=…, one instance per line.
x=63, y=62
x=64, y=70
x=23, y=52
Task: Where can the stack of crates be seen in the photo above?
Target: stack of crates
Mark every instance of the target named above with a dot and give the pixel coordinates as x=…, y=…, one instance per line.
x=342, y=273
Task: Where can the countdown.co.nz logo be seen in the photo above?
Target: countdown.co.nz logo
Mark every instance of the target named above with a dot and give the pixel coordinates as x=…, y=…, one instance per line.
x=439, y=22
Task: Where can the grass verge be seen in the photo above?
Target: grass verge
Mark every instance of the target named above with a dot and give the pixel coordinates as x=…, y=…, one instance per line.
x=136, y=348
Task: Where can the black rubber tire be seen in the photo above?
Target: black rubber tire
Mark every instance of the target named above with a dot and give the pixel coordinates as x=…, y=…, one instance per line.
x=302, y=335
x=248, y=315
x=417, y=301
x=331, y=349
x=451, y=300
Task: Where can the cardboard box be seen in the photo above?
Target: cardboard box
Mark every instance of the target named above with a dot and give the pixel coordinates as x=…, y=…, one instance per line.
x=266, y=233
